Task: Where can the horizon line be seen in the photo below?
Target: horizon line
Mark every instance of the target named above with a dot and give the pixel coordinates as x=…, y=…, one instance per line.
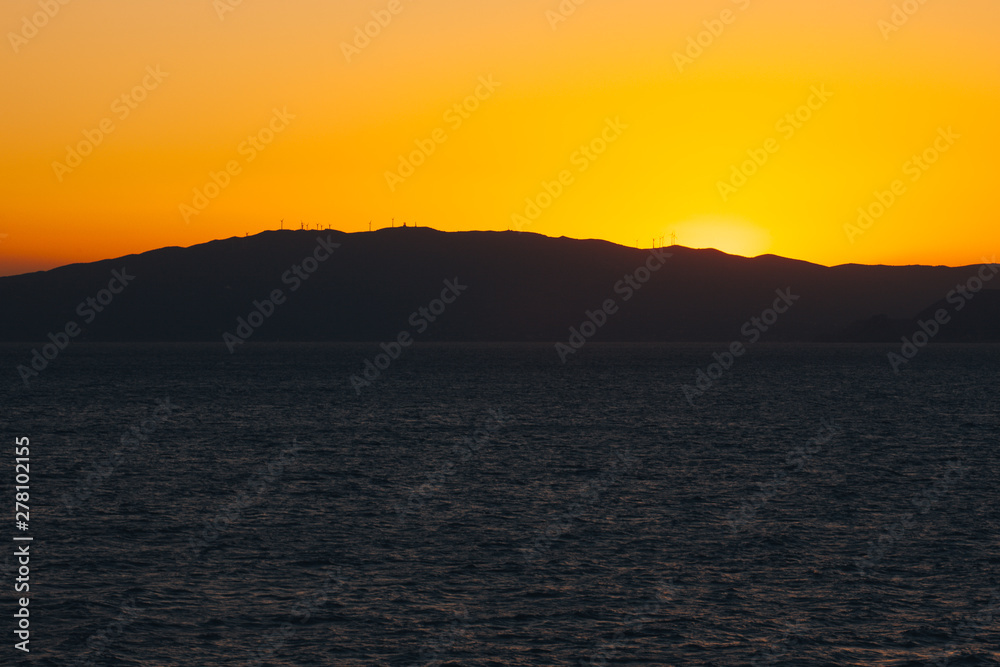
x=407, y=226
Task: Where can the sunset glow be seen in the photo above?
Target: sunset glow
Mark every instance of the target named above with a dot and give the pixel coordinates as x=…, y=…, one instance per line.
x=753, y=127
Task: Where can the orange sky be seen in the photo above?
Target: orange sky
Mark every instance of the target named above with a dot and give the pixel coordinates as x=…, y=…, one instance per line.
x=665, y=129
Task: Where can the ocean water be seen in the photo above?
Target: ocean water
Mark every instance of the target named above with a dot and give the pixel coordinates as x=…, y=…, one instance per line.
x=489, y=505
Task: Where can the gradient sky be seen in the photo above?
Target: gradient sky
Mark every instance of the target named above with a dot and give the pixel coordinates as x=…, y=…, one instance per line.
x=688, y=123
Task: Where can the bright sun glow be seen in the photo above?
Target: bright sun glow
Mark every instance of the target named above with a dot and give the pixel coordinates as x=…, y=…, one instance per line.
x=730, y=235
x=621, y=121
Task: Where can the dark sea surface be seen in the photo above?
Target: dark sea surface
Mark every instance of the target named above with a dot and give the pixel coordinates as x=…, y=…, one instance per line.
x=489, y=505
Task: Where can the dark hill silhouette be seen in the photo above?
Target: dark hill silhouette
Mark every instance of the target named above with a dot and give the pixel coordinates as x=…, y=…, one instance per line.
x=977, y=322
x=521, y=287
